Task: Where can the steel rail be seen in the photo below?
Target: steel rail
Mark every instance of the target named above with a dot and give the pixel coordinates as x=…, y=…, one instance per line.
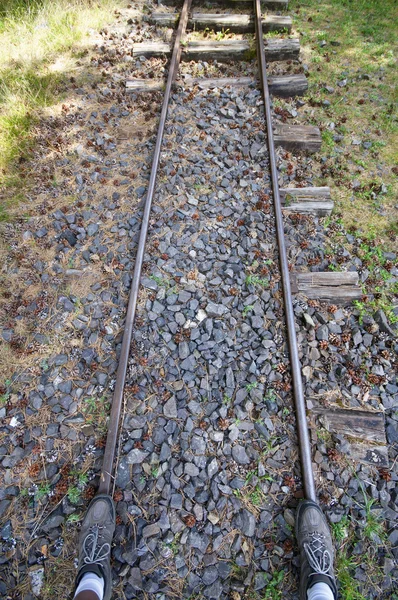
x=298, y=393
x=117, y=401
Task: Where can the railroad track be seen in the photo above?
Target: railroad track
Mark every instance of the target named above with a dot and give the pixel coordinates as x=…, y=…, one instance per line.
x=234, y=321
x=334, y=288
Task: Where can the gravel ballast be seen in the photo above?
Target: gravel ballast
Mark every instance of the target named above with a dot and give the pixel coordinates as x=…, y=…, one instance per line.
x=208, y=478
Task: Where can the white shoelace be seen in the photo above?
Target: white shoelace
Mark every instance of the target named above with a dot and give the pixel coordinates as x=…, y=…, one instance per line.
x=93, y=552
x=318, y=557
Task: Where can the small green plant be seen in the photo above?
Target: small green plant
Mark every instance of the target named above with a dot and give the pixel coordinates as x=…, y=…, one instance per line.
x=158, y=280
x=270, y=395
x=269, y=445
x=250, y=475
x=327, y=139
x=247, y=309
x=220, y=35
x=173, y=546
x=82, y=479
x=251, y=386
x=43, y=490
x=201, y=187
x=385, y=275
x=4, y=398
x=238, y=572
x=377, y=144
x=361, y=308
x=44, y=364
x=96, y=411
x=324, y=435
x=373, y=524
x=273, y=589
x=90, y=404
x=257, y=496
x=340, y=529
x=288, y=199
x=226, y=399
x=360, y=162
x=155, y=472
x=255, y=280
x=333, y=267
x=73, y=494
x=74, y=518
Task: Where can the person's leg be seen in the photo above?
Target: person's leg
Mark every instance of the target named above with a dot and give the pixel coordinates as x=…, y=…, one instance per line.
x=317, y=580
x=87, y=595
x=94, y=577
x=91, y=587
x=320, y=591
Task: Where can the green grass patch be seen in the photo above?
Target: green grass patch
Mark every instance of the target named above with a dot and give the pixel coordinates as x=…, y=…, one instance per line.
x=380, y=288
x=360, y=539
x=36, y=40
x=350, y=48
x=345, y=566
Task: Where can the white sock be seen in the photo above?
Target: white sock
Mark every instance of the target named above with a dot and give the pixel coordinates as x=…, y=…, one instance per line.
x=91, y=582
x=320, y=591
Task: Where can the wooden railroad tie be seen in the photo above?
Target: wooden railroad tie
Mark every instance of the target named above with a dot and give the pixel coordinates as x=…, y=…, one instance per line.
x=337, y=288
x=234, y=23
x=298, y=137
x=268, y=4
x=284, y=86
x=226, y=50
x=364, y=429
x=315, y=201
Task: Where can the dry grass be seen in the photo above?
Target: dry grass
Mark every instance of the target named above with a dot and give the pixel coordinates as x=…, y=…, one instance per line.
x=39, y=43
x=61, y=571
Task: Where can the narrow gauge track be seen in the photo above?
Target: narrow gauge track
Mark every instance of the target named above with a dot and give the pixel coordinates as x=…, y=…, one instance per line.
x=207, y=475
x=110, y=449
x=324, y=286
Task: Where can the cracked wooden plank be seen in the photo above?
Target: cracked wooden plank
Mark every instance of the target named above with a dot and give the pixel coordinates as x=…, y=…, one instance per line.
x=328, y=286
x=279, y=86
x=372, y=455
x=268, y=4
x=233, y=22
x=310, y=197
x=306, y=138
x=144, y=85
x=226, y=50
x=365, y=425
x=363, y=430
x=326, y=278
x=312, y=200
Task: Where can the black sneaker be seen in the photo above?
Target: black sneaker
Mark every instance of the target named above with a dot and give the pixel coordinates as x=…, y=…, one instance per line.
x=316, y=548
x=95, y=541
